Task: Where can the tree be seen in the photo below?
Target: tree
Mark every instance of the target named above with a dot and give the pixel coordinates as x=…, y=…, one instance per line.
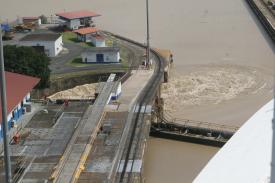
x=44, y=19
x=28, y=61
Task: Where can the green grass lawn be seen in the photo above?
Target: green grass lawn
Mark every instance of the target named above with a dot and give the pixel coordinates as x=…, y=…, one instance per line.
x=70, y=37
x=77, y=62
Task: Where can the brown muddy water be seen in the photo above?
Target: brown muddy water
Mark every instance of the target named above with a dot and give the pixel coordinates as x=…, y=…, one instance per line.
x=215, y=38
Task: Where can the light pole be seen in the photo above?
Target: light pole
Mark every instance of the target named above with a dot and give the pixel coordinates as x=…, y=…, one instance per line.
x=148, y=35
x=4, y=114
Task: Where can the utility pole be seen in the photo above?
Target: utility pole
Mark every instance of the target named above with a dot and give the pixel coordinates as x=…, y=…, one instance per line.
x=4, y=114
x=148, y=35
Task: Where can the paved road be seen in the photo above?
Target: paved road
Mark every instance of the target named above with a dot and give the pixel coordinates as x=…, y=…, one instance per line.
x=58, y=64
x=72, y=50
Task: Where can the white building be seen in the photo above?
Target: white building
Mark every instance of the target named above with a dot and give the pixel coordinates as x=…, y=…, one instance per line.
x=98, y=40
x=49, y=43
x=18, y=96
x=101, y=55
x=77, y=19
x=31, y=20
x=90, y=34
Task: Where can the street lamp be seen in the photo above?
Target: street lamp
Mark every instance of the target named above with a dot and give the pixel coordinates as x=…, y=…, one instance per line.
x=4, y=114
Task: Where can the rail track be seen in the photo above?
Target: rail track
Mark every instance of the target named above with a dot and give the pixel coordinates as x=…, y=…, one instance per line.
x=137, y=124
x=263, y=19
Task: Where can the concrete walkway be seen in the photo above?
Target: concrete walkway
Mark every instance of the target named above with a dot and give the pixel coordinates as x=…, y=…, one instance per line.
x=132, y=87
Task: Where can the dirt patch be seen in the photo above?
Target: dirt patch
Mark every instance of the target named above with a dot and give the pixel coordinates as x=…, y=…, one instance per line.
x=211, y=85
x=86, y=91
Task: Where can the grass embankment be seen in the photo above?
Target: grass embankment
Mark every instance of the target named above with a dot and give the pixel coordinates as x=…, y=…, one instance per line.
x=71, y=37
x=77, y=62
x=83, y=73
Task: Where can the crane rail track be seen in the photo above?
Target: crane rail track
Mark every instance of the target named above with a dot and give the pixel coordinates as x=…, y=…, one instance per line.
x=263, y=20
x=144, y=99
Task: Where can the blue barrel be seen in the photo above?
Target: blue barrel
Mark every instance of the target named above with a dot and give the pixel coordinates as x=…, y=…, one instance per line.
x=5, y=27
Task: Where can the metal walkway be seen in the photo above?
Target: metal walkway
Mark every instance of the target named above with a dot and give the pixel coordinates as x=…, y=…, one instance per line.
x=71, y=165
x=193, y=131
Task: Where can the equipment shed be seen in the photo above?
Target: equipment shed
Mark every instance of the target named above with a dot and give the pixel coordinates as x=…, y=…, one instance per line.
x=49, y=43
x=101, y=55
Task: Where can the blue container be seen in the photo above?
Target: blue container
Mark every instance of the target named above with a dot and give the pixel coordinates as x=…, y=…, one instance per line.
x=5, y=27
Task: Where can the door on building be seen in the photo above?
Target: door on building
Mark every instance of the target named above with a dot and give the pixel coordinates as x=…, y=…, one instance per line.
x=40, y=49
x=99, y=58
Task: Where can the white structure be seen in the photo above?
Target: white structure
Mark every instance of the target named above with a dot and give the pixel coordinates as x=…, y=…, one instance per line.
x=18, y=96
x=246, y=157
x=101, y=55
x=31, y=20
x=116, y=91
x=76, y=19
x=50, y=44
x=90, y=34
x=98, y=40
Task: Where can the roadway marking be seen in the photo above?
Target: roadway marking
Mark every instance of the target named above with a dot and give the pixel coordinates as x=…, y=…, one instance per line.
x=144, y=109
x=137, y=164
x=23, y=150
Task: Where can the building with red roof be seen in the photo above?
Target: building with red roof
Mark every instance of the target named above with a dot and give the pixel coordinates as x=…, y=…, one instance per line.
x=18, y=94
x=86, y=30
x=90, y=34
x=31, y=20
x=76, y=19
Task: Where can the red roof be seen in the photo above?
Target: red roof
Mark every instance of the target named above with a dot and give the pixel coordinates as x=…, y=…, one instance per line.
x=18, y=86
x=99, y=37
x=86, y=30
x=77, y=14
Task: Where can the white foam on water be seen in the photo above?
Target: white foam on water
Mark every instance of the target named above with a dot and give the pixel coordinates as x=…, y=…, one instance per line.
x=209, y=84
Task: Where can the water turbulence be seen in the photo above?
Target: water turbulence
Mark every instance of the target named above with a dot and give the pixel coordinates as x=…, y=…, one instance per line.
x=209, y=85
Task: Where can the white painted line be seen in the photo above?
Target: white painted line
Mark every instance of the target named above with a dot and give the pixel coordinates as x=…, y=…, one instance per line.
x=136, y=166
x=23, y=150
